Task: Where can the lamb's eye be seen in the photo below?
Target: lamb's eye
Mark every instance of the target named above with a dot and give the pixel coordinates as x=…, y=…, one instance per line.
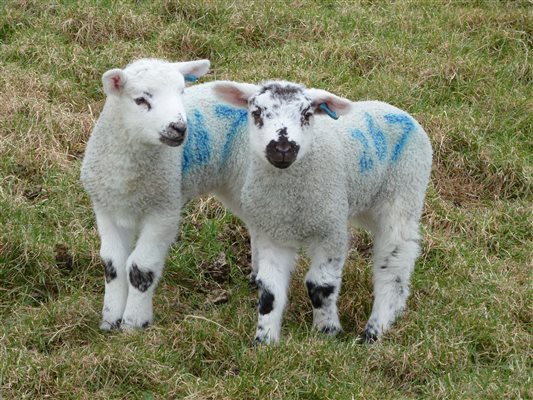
x=258, y=120
x=141, y=101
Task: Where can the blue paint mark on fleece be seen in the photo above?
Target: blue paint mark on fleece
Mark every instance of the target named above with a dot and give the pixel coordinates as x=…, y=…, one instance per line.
x=197, y=150
x=365, y=162
x=239, y=117
x=377, y=136
x=407, y=125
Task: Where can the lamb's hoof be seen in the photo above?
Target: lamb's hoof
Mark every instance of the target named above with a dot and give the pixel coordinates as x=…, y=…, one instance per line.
x=264, y=336
x=369, y=336
x=331, y=330
x=252, y=280
x=263, y=340
x=130, y=326
x=108, y=326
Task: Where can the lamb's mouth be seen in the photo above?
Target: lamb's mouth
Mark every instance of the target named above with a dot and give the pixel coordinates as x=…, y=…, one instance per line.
x=172, y=141
x=281, y=161
x=281, y=154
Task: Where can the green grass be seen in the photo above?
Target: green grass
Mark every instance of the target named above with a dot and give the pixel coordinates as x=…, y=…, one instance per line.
x=462, y=68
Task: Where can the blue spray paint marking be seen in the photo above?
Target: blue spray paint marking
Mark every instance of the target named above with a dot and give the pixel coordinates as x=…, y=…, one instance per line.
x=239, y=118
x=378, y=137
x=197, y=150
x=365, y=162
x=407, y=125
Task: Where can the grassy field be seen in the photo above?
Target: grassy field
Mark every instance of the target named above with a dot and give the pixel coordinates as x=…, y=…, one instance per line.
x=463, y=69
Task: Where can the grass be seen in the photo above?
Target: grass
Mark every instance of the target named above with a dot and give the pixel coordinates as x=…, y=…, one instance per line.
x=462, y=68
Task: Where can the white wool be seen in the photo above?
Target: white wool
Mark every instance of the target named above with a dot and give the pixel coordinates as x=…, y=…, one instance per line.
x=131, y=171
x=370, y=167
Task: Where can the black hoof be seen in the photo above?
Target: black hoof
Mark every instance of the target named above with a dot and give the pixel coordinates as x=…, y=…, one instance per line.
x=252, y=281
x=331, y=330
x=368, y=336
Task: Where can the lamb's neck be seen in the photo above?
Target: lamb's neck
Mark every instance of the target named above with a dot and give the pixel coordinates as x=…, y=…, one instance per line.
x=223, y=171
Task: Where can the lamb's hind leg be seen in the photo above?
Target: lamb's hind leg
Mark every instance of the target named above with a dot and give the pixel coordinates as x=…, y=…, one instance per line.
x=145, y=266
x=116, y=243
x=255, y=260
x=323, y=283
x=395, y=251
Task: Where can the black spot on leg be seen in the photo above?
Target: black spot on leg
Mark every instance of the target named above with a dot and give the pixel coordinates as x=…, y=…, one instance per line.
x=399, y=286
x=394, y=252
x=383, y=267
x=266, y=302
x=145, y=325
x=318, y=294
x=109, y=271
x=141, y=280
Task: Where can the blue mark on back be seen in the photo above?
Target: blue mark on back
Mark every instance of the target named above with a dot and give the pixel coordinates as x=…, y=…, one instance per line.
x=239, y=117
x=407, y=125
x=197, y=149
x=365, y=162
x=378, y=137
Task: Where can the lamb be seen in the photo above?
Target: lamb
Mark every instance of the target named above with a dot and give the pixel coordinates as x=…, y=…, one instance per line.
x=131, y=171
x=300, y=179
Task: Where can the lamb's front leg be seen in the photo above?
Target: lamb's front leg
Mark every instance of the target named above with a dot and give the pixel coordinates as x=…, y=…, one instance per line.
x=275, y=264
x=145, y=266
x=116, y=244
x=323, y=283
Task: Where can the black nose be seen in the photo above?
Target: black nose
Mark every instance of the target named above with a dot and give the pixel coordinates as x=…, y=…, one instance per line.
x=180, y=128
x=282, y=153
x=174, y=134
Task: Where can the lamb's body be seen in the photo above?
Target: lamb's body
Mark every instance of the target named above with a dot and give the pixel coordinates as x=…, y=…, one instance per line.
x=128, y=178
x=131, y=171
x=370, y=167
x=339, y=179
x=216, y=148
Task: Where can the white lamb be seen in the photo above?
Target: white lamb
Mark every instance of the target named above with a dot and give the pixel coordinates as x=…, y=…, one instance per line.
x=297, y=179
x=132, y=173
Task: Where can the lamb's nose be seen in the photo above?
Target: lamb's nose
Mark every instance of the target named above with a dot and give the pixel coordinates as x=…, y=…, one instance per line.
x=179, y=127
x=283, y=145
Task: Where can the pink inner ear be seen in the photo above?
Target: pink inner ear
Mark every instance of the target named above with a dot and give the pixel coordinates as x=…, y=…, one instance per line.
x=116, y=81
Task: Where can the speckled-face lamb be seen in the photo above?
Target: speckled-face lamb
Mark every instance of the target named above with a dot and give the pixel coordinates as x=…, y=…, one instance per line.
x=308, y=176
x=131, y=171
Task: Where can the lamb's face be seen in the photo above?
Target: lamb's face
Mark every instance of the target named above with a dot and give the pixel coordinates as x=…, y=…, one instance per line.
x=148, y=97
x=281, y=117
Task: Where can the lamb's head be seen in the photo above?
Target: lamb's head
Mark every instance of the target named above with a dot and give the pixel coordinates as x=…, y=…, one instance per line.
x=147, y=97
x=281, y=116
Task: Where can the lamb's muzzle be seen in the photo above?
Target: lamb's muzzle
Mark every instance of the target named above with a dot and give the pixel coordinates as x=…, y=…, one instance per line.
x=174, y=134
x=282, y=153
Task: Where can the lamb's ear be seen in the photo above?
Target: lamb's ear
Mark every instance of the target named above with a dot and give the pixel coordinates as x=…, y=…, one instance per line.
x=235, y=93
x=328, y=103
x=192, y=70
x=114, y=81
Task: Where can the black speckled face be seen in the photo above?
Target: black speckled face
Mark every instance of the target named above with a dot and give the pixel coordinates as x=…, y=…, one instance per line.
x=281, y=114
